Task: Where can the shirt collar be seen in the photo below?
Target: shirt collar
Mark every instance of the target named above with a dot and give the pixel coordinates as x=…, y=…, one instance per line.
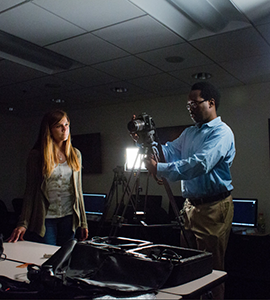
x=212, y=123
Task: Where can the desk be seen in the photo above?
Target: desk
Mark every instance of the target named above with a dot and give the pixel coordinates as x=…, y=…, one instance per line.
x=167, y=296
x=28, y=252
x=20, y=253
x=13, y=270
x=196, y=287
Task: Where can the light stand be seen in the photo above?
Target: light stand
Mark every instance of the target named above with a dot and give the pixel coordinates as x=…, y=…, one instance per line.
x=119, y=217
x=118, y=220
x=119, y=180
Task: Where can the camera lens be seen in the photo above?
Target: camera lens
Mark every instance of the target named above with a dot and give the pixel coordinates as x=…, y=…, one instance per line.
x=136, y=125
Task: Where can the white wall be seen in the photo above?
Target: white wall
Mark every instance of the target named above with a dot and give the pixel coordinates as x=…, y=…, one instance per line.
x=245, y=109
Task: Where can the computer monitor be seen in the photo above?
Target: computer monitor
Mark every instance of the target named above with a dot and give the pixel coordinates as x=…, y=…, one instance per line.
x=245, y=212
x=94, y=205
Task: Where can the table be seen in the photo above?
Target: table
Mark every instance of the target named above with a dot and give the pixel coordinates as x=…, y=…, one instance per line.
x=14, y=270
x=195, y=287
x=22, y=253
x=167, y=296
x=28, y=252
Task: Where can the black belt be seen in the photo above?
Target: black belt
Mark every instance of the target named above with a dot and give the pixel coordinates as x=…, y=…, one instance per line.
x=198, y=201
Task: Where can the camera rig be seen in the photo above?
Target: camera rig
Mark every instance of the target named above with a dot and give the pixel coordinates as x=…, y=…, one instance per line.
x=143, y=127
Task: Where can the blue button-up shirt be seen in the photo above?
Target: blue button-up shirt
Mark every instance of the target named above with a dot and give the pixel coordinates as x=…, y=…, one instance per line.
x=201, y=157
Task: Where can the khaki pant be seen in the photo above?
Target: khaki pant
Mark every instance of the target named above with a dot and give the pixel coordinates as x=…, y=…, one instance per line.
x=208, y=228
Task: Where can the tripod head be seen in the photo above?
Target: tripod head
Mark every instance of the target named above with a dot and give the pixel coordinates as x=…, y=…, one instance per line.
x=119, y=175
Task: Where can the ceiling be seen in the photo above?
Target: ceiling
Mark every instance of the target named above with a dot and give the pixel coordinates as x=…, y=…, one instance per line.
x=148, y=47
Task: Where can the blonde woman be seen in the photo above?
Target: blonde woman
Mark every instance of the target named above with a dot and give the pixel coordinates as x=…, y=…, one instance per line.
x=53, y=206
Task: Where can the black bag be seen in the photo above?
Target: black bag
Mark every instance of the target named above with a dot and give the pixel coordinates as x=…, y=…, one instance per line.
x=97, y=268
x=117, y=268
x=188, y=264
x=114, y=266
x=123, y=264
x=104, y=262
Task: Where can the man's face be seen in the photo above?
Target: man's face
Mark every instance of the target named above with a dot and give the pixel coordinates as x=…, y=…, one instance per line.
x=199, y=108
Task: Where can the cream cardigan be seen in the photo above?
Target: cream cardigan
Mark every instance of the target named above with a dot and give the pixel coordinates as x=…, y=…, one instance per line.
x=35, y=204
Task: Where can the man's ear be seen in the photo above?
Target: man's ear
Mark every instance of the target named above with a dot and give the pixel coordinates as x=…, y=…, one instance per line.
x=212, y=102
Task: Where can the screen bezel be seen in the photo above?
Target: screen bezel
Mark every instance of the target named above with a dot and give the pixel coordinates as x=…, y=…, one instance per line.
x=249, y=225
x=90, y=212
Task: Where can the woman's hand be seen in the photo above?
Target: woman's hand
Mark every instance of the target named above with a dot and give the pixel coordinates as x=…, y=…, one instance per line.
x=17, y=234
x=84, y=234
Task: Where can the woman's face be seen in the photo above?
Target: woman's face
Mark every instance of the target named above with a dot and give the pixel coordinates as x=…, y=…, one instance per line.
x=60, y=131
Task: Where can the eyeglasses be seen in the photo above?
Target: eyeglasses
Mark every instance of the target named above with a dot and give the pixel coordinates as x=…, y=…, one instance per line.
x=194, y=104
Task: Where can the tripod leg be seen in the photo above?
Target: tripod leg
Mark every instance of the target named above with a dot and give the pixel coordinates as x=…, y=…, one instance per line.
x=116, y=219
x=127, y=191
x=108, y=204
x=176, y=210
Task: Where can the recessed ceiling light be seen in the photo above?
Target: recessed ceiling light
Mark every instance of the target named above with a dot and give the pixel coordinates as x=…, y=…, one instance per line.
x=119, y=89
x=202, y=76
x=174, y=59
x=58, y=100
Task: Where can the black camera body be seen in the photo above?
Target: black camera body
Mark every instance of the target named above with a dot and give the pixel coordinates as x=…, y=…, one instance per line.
x=145, y=128
x=143, y=123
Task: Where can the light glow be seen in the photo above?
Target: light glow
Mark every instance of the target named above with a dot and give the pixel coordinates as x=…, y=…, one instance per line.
x=131, y=155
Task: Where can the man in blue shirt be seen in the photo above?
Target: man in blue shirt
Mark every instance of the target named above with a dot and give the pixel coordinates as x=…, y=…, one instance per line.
x=201, y=158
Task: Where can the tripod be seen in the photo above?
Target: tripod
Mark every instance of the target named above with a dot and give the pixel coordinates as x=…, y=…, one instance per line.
x=118, y=220
x=121, y=207
x=119, y=180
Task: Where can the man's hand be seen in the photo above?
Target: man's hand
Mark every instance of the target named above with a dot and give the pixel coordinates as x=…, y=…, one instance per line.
x=151, y=166
x=134, y=135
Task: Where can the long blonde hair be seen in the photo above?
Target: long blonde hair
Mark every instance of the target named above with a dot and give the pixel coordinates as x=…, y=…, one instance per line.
x=47, y=147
